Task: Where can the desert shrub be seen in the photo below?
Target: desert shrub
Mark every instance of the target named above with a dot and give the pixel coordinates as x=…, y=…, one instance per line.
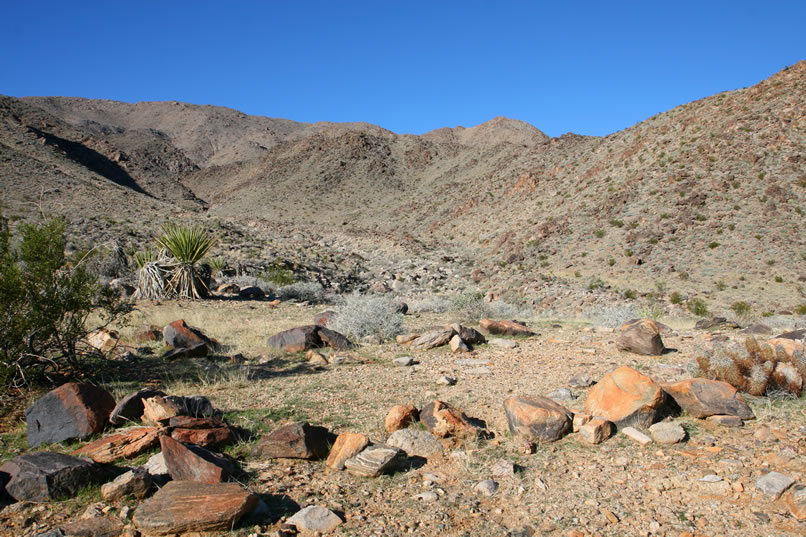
x=46, y=298
x=675, y=298
x=800, y=309
x=469, y=306
x=612, y=316
x=278, y=276
x=741, y=309
x=217, y=265
x=361, y=316
x=431, y=304
x=630, y=294
x=651, y=310
x=312, y=292
x=697, y=306
x=499, y=309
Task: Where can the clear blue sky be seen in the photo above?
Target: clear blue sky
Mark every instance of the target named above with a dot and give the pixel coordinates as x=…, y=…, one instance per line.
x=409, y=66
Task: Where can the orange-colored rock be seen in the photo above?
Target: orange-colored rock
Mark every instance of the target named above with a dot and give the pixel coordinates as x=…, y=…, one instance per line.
x=400, y=417
x=203, y=437
x=406, y=339
x=640, y=336
x=444, y=420
x=505, y=328
x=193, y=463
x=124, y=445
x=158, y=409
x=537, y=418
x=789, y=346
x=596, y=430
x=626, y=397
x=705, y=397
x=347, y=446
x=796, y=501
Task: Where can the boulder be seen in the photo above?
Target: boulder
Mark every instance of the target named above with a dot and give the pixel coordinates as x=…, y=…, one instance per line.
x=626, y=397
x=537, y=418
x=304, y=338
x=457, y=345
x=179, y=335
x=187, y=506
x=704, y=397
x=299, y=440
x=400, y=417
x=251, y=293
x=347, y=445
x=203, y=432
x=193, y=463
x=596, y=430
x=136, y=483
x=130, y=408
x=641, y=336
x=431, y=340
x=444, y=420
x=45, y=476
x=505, y=328
x=315, y=518
x=415, y=443
x=470, y=336
x=373, y=461
x=123, y=445
x=71, y=411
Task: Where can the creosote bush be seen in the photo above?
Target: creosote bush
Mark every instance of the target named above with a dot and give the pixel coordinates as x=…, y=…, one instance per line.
x=361, y=316
x=46, y=298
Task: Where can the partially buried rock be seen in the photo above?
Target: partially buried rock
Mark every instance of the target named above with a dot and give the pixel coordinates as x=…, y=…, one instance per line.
x=101, y=526
x=596, y=430
x=415, y=443
x=704, y=397
x=444, y=420
x=251, y=293
x=347, y=445
x=431, y=340
x=136, y=483
x=315, y=518
x=773, y=484
x=505, y=328
x=640, y=336
x=193, y=463
x=626, y=397
x=457, y=345
x=71, y=411
x=373, y=461
x=186, y=506
x=667, y=433
x=196, y=351
x=400, y=417
x=299, y=440
x=130, y=408
x=45, y=476
x=179, y=335
x=537, y=418
x=123, y=445
x=304, y=338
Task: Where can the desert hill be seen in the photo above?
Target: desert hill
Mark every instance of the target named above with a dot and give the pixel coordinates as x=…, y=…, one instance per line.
x=706, y=199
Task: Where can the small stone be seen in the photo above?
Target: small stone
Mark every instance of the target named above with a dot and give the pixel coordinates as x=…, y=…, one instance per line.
x=130, y=408
x=503, y=468
x=710, y=478
x=156, y=465
x=400, y=417
x=136, y=483
x=444, y=420
x=580, y=381
x=667, y=433
x=315, y=518
x=580, y=419
x=796, y=501
x=561, y=394
x=101, y=526
x=373, y=461
x=774, y=484
x=478, y=371
x=457, y=345
x=503, y=343
x=597, y=430
x=488, y=487
x=726, y=421
x=403, y=361
x=635, y=434
x=347, y=445
x=446, y=381
x=415, y=443
x=427, y=497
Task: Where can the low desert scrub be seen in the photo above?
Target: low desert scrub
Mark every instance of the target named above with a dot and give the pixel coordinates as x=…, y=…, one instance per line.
x=612, y=316
x=311, y=292
x=361, y=316
x=430, y=304
x=697, y=306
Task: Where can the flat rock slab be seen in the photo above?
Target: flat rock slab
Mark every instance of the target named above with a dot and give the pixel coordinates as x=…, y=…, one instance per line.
x=796, y=501
x=505, y=328
x=130, y=408
x=503, y=343
x=704, y=397
x=444, y=420
x=123, y=445
x=186, y=506
x=315, y=518
x=415, y=443
x=774, y=484
x=299, y=440
x=432, y=340
x=373, y=461
x=726, y=421
x=626, y=397
x=537, y=418
x=347, y=446
x=71, y=411
x=636, y=435
x=103, y=526
x=45, y=476
x=193, y=463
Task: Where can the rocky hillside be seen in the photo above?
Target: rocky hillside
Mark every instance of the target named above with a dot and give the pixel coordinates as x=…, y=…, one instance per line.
x=706, y=199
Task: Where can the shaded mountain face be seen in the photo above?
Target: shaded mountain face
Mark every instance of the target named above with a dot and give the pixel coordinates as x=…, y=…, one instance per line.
x=705, y=196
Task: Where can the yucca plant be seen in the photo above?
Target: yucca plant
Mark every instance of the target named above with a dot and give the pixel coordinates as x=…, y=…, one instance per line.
x=217, y=265
x=188, y=245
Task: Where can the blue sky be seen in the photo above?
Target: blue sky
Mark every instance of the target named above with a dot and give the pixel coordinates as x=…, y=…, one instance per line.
x=409, y=66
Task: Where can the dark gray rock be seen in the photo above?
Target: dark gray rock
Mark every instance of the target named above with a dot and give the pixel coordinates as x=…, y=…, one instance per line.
x=72, y=410
x=305, y=338
x=130, y=408
x=45, y=476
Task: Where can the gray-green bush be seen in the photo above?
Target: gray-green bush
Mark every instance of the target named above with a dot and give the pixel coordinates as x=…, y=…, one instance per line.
x=361, y=316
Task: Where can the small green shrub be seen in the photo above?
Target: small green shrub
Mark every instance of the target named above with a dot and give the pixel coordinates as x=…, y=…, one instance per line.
x=600, y=233
x=611, y=261
x=616, y=223
x=630, y=294
x=675, y=298
x=779, y=279
x=188, y=245
x=800, y=309
x=713, y=245
x=697, y=306
x=741, y=308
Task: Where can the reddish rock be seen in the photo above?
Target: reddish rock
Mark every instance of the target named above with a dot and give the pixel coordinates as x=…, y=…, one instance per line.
x=123, y=445
x=193, y=463
x=640, y=336
x=298, y=440
x=185, y=506
x=203, y=437
x=406, y=339
x=130, y=408
x=347, y=446
x=181, y=336
x=102, y=526
x=444, y=420
x=505, y=328
x=148, y=333
x=70, y=411
x=626, y=397
x=537, y=418
x=704, y=397
x=304, y=338
x=335, y=340
x=180, y=353
x=796, y=501
x=400, y=417
x=159, y=409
